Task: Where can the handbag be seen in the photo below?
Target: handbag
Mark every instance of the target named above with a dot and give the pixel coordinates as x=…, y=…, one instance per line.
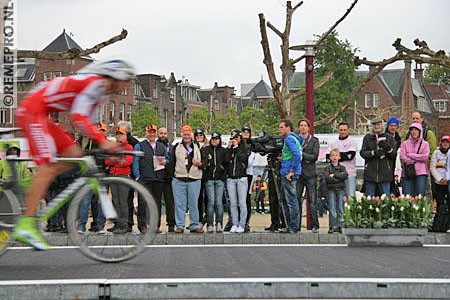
x=410, y=170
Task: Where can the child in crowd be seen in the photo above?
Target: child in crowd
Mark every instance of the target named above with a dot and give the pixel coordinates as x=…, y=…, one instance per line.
x=335, y=175
x=259, y=199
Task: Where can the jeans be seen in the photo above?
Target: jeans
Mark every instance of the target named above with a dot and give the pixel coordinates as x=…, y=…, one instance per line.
x=186, y=193
x=416, y=186
x=84, y=213
x=371, y=187
x=336, y=207
x=291, y=201
x=237, y=191
x=310, y=184
x=214, y=192
x=350, y=186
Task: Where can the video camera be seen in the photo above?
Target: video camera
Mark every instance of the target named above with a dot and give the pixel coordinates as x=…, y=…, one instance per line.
x=266, y=144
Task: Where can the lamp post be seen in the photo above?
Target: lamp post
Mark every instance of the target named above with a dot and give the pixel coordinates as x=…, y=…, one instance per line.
x=309, y=49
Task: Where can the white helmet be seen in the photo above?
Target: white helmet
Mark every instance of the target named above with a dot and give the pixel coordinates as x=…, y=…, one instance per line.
x=114, y=68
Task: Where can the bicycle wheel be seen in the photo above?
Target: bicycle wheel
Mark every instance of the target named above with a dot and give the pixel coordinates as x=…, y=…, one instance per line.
x=9, y=213
x=118, y=245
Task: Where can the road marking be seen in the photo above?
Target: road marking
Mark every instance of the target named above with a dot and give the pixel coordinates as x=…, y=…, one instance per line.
x=226, y=280
x=223, y=246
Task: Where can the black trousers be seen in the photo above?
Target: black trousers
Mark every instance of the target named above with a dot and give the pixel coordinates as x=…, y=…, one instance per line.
x=169, y=202
x=155, y=189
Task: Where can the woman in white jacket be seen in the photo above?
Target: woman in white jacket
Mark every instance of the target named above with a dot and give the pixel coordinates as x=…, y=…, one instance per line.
x=440, y=171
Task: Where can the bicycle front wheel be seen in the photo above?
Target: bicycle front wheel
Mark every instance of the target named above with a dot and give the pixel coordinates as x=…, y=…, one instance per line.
x=118, y=239
x=9, y=213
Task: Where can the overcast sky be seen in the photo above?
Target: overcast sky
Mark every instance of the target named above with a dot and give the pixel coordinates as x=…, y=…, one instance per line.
x=211, y=41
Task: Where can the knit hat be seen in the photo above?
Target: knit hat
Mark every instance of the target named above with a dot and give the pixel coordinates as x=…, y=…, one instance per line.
x=393, y=120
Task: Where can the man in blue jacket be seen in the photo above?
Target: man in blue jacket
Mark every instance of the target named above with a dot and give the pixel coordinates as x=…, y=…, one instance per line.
x=290, y=172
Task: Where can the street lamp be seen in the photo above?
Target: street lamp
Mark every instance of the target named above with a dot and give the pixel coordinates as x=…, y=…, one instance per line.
x=310, y=48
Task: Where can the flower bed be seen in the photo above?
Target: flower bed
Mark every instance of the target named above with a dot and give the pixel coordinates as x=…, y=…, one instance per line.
x=387, y=212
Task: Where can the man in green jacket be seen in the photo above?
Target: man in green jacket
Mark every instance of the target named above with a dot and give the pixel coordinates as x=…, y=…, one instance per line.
x=22, y=170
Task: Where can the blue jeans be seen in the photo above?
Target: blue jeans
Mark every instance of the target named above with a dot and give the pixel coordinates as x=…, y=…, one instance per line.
x=350, y=186
x=335, y=207
x=237, y=191
x=186, y=193
x=415, y=186
x=291, y=200
x=214, y=192
x=371, y=187
x=84, y=213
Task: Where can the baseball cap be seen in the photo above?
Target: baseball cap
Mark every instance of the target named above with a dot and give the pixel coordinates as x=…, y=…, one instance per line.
x=216, y=135
x=102, y=126
x=151, y=127
x=235, y=133
x=445, y=138
x=120, y=130
x=186, y=128
x=376, y=121
x=246, y=128
x=198, y=131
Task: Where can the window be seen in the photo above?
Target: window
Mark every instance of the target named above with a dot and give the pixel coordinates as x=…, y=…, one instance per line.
x=376, y=100
x=122, y=112
x=129, y=107
x=368, y=100
x=180, y=119
x=3, y=116
x=154, y=89
x=172, y=95
x=421, y=104
x=166, y=118
x=125, y=92
x=216, y=104
x=440, y=105
x=51, y=75
x=111, y=113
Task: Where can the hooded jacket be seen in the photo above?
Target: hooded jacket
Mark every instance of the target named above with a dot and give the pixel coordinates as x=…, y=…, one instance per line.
x=377, y=155
x=411, y=154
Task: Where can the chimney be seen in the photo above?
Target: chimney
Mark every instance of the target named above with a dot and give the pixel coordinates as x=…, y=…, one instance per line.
x=418, y=72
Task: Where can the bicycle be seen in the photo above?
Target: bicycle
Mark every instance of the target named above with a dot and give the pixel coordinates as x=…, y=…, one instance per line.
x=101, y=247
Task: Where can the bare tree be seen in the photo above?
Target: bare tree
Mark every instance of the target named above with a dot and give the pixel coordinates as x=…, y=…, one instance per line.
x=283, y=98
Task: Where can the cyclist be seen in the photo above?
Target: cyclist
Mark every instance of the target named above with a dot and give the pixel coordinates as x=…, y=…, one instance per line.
x=80, y=95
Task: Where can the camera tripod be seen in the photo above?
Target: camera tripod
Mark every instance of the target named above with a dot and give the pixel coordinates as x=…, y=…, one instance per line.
x=270, y=175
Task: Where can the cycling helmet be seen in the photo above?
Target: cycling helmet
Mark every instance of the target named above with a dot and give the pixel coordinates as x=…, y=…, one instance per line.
x=114, y=68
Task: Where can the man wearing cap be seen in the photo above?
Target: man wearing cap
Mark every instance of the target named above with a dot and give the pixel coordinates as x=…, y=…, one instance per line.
x=167, y=184
x=377, y=148
x=148, y=171
x=185, y=168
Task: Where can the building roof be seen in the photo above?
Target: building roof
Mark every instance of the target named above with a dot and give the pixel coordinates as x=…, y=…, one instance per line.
x=438, y=91
x=62, y=43
x=204, y=95
x=260, y=90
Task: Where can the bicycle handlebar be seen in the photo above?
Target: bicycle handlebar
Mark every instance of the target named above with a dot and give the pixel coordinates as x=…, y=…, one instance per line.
x=102, y=152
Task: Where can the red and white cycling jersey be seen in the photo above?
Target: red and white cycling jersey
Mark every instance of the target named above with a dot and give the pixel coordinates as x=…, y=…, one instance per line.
x=80, y=95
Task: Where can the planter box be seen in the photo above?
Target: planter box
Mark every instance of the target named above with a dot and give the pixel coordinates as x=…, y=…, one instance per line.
x=395, y=237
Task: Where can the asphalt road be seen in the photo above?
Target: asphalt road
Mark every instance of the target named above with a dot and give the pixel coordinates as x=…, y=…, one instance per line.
x=233, y=261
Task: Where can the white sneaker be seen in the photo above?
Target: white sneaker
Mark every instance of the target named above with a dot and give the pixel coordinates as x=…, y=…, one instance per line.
x=233, y=229
x=210, y=229
x=219, y=227
x=240, y=229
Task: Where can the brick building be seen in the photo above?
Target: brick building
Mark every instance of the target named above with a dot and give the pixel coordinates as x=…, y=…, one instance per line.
x=440, y=95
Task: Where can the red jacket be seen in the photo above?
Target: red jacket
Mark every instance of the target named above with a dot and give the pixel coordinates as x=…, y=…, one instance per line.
x=123, y=167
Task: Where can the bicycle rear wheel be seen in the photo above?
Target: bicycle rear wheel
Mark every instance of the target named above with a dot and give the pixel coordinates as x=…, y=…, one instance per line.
x=121, y=244
x=9, y=213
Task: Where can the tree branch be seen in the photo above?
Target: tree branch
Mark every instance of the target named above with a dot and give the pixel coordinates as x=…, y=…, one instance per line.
x=275, y=29
x=71, y=53
x=297, y=6
x=317, y=85
x=324, y=35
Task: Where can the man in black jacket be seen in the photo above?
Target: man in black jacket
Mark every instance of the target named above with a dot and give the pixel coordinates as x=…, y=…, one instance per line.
x=377, y=148
x=310, y=154
x=150, y=171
